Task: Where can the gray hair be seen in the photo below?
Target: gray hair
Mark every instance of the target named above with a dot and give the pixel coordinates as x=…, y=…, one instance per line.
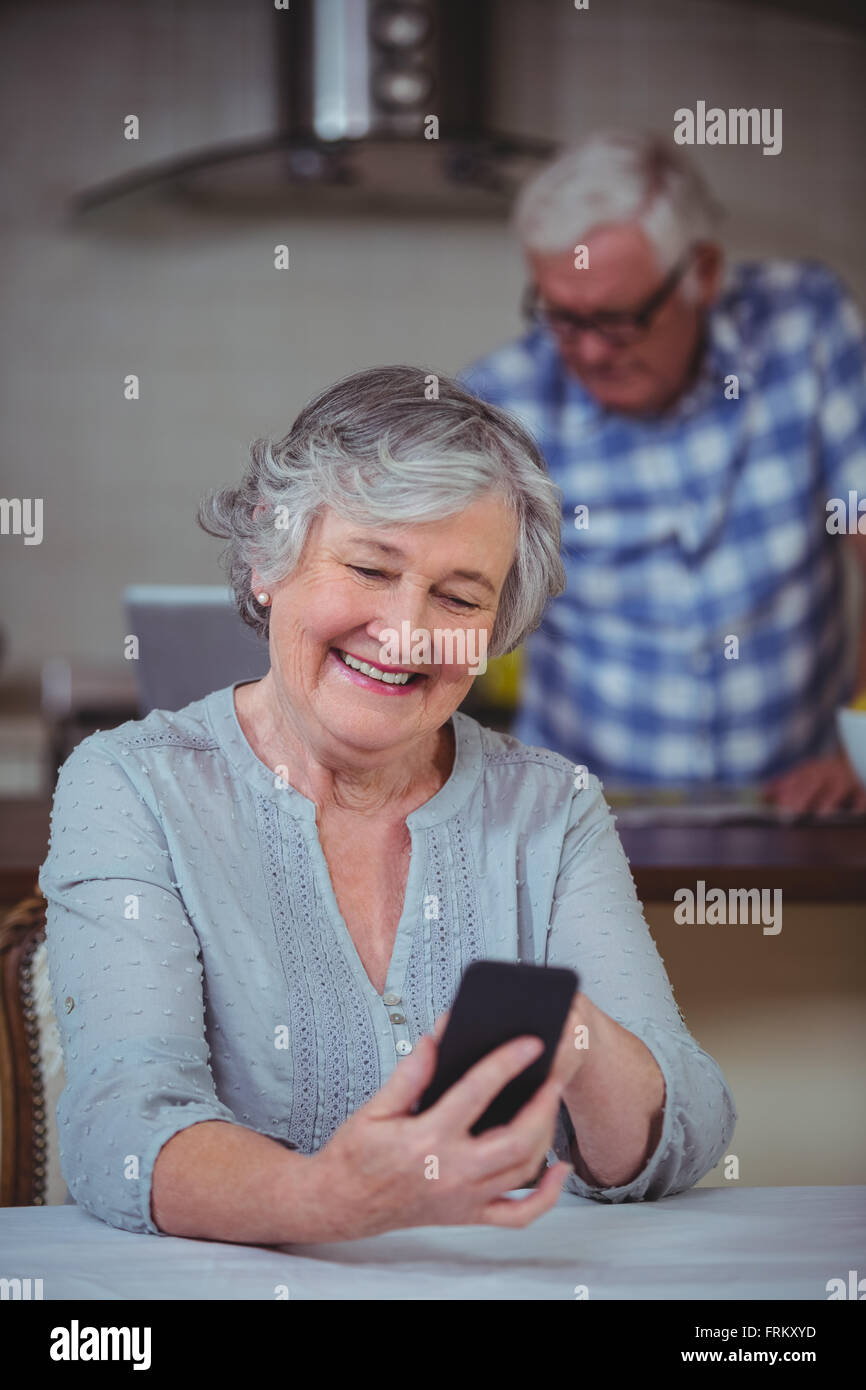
x=377, y=450
x=615, y=177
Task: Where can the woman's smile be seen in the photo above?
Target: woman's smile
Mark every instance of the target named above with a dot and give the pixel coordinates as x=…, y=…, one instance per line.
x=372, y=675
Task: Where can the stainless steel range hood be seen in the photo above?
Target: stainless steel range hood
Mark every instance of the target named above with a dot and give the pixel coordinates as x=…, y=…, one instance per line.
x=382, y=107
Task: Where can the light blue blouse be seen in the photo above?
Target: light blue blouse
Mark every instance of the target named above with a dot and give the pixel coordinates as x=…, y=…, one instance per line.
x=201, y=969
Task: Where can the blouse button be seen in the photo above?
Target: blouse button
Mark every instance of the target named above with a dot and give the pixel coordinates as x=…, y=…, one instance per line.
x=390, y=998
x=403, y=1048
x=397, y=1018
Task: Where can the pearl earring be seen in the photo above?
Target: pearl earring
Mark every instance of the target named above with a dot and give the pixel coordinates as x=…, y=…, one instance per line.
x=263, y=598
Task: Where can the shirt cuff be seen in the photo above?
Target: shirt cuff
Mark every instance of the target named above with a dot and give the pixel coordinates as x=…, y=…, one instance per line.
x=178, y=1120
x=687, y=1147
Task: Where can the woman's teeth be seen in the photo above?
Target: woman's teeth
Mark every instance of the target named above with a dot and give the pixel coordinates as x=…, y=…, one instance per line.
x=389, y=677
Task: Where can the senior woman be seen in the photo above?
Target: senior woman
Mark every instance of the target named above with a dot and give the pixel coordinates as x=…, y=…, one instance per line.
x=260, y=906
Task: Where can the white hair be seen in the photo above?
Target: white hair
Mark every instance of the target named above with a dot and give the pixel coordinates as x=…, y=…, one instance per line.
x=618, y=177
x=376, y=449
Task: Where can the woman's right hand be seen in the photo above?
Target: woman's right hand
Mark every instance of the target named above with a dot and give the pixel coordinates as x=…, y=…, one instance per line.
x=375, y=1174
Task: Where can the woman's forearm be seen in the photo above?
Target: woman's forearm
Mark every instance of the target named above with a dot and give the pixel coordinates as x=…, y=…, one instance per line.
x=219, y=1181
x=616, y=1103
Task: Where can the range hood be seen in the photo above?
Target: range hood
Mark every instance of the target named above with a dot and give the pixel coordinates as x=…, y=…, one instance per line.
x=382, y=107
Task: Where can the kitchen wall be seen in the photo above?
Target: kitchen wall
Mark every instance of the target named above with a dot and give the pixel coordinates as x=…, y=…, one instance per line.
x=225, y=346
x=784, y=1017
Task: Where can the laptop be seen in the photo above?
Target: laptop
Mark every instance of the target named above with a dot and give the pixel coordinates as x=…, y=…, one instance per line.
x=191, y=640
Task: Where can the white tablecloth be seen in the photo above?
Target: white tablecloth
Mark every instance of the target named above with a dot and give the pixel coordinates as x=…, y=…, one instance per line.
x=709, y=1243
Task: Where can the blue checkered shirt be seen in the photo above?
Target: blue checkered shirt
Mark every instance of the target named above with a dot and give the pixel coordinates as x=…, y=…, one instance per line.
x=705, y=523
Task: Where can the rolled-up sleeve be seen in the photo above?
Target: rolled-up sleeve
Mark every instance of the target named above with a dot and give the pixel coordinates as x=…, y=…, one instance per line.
x=597, y=927
x=127, y=984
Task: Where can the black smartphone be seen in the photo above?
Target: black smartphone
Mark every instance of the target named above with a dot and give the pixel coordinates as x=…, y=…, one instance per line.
x=498, y=1001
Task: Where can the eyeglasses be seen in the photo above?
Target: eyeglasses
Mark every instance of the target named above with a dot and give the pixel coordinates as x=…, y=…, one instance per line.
x=617, y=327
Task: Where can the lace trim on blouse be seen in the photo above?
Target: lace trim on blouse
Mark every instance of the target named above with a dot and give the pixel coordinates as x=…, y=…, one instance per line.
x=451, y=932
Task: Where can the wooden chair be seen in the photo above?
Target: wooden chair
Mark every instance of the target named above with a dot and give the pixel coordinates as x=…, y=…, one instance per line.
x=30, y=1066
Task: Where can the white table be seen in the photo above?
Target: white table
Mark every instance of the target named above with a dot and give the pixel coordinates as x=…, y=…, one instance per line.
x=708, y=1243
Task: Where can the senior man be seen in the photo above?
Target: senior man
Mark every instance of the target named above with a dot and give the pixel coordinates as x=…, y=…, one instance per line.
x=701, y=422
